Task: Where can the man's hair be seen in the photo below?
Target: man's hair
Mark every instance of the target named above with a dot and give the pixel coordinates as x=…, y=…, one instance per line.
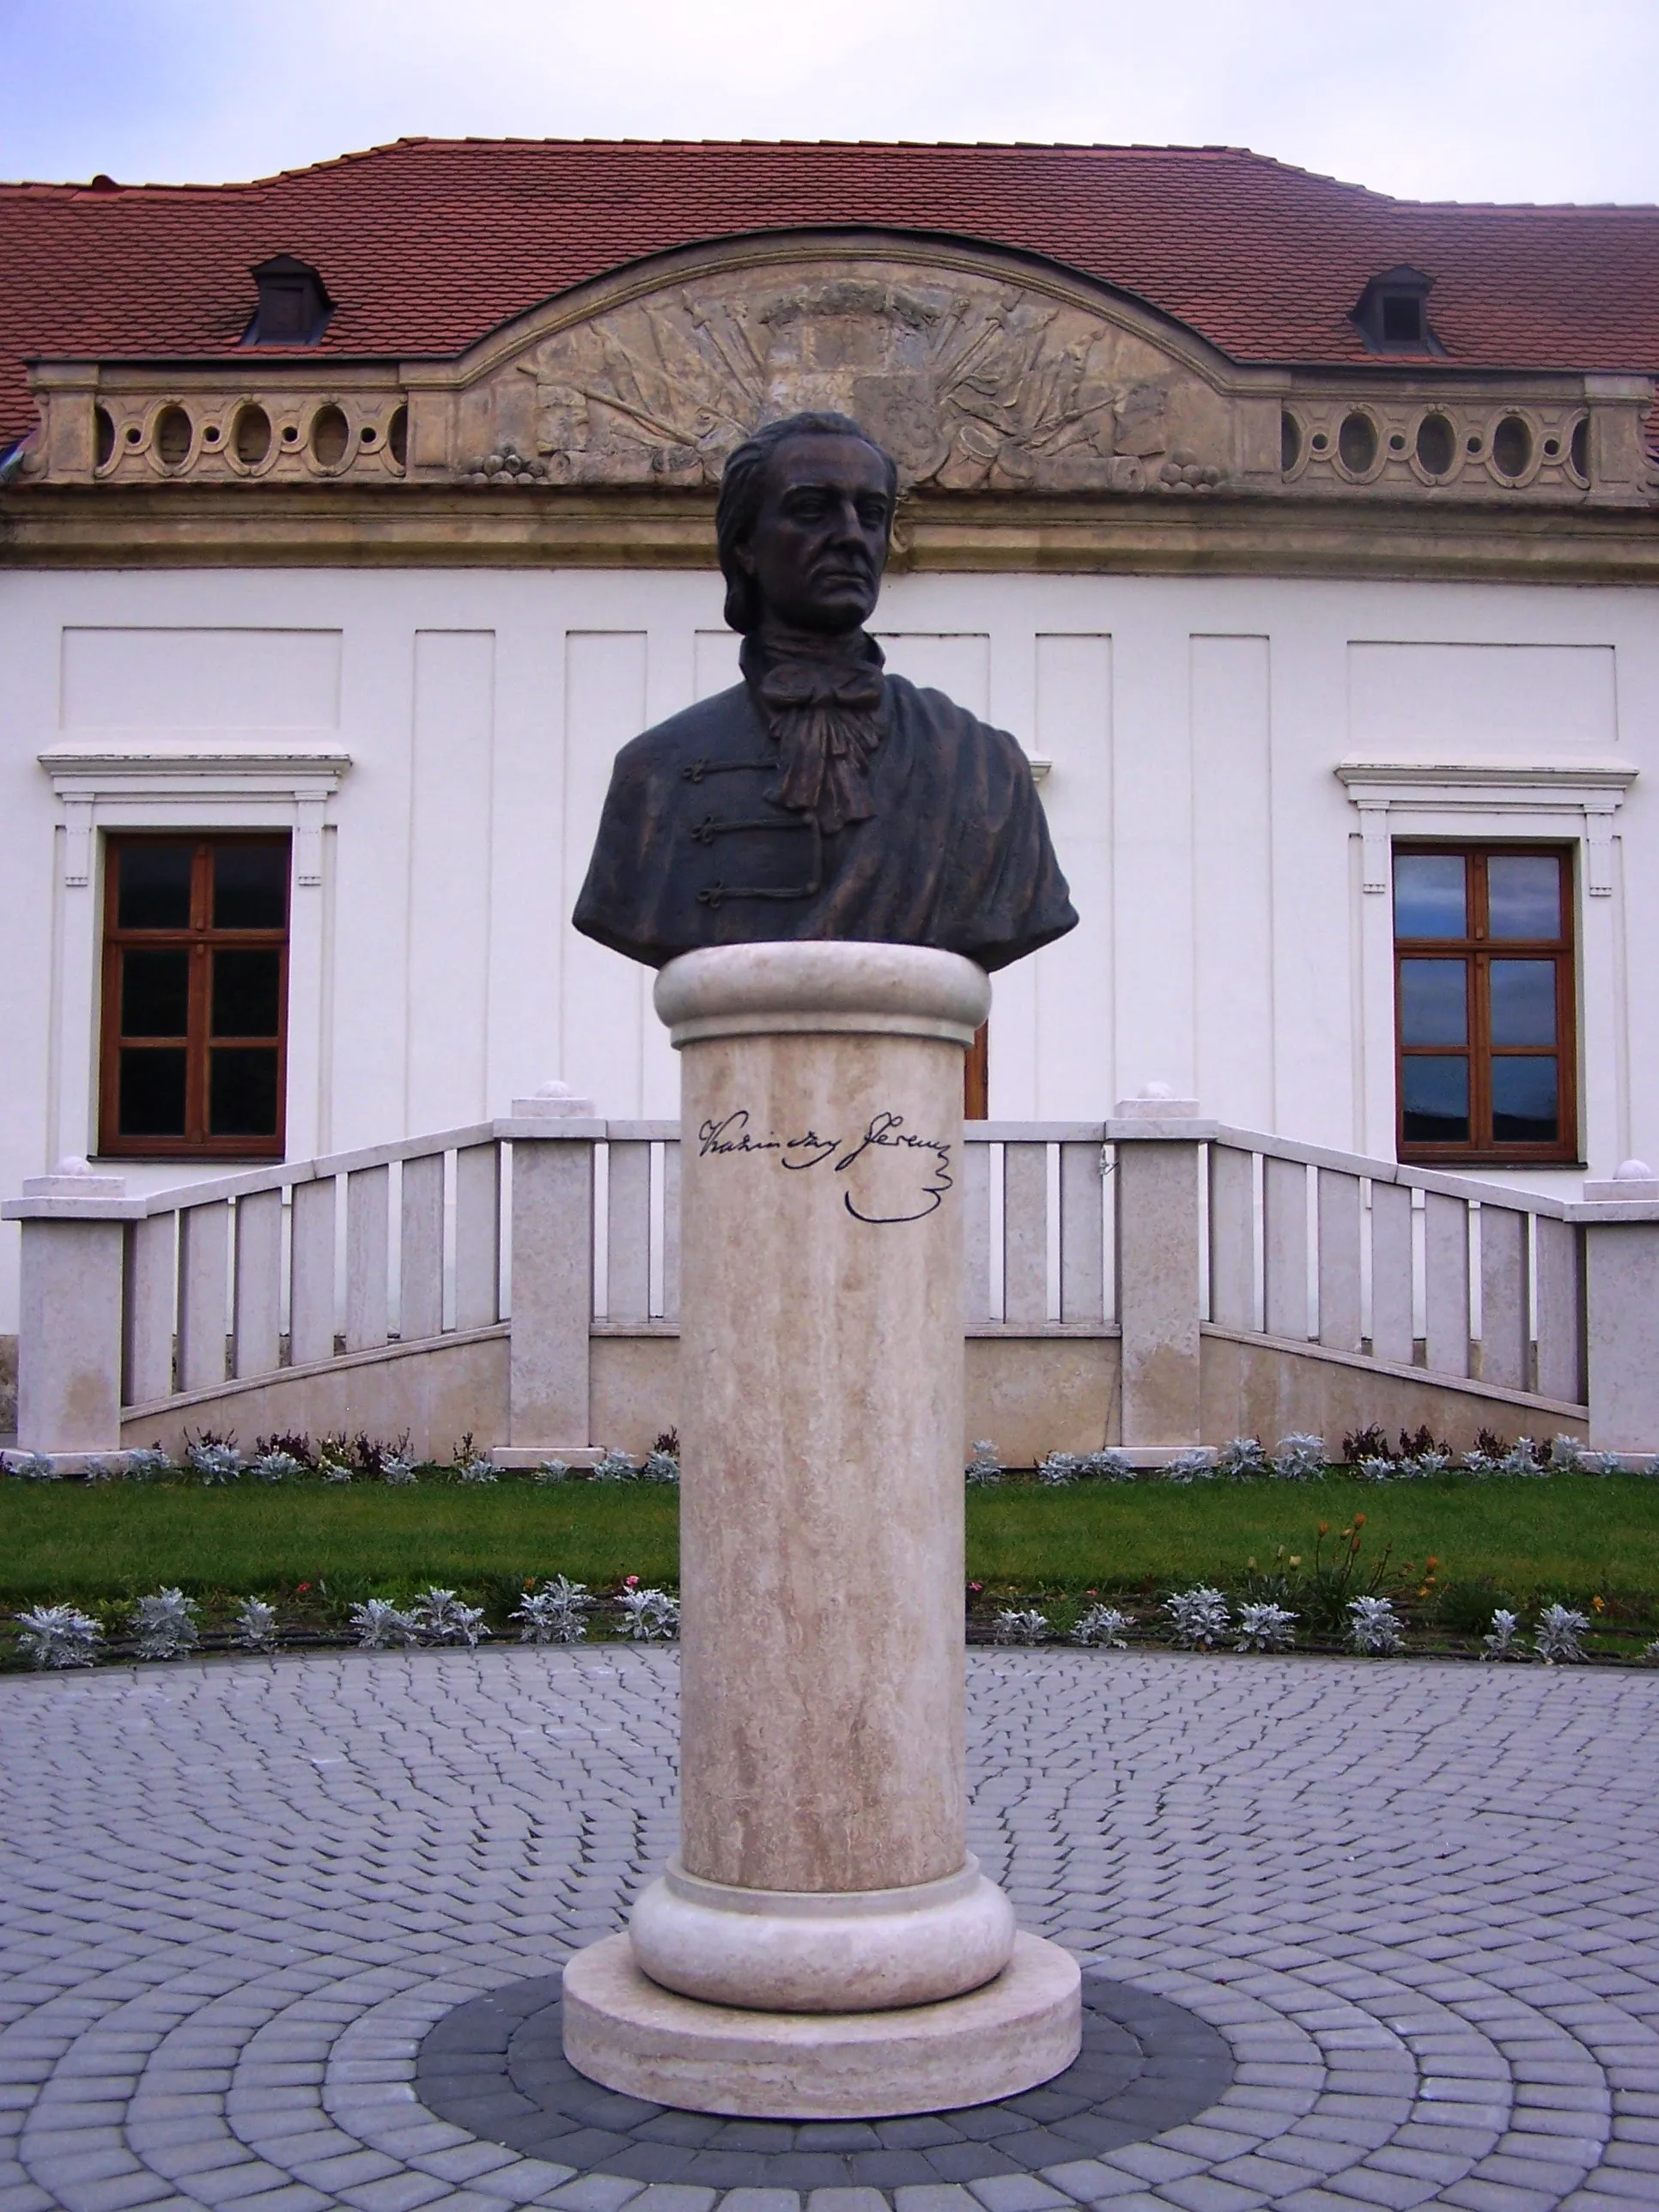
x=742, y=486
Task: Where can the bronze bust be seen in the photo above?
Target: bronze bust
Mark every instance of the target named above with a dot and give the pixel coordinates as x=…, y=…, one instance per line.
x=819, y=797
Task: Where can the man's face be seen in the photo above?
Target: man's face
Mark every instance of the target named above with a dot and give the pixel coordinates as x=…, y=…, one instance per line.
x=819, y=543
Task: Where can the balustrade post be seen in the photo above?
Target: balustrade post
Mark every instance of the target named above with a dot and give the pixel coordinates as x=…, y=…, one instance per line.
x=68, y=1341
x=553, y=1137
x=1157, y=1218
x=1621, y=1223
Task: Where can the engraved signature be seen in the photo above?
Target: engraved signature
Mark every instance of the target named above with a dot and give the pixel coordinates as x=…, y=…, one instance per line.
x=886, y=1132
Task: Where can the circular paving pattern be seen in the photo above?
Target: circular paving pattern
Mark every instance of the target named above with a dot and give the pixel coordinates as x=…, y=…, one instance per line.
x=236, y=1898
x=496, y=2067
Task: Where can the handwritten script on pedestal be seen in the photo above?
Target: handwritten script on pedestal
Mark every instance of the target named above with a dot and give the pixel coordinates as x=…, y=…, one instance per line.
x=885, y=1138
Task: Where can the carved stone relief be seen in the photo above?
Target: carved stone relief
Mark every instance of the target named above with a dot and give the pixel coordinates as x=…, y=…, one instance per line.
x=971, y=384
x=975, y=374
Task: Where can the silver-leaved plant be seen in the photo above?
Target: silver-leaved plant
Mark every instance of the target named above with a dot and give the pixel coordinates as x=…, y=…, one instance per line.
x=555, y=1613
x=1503, y=1640
x=1104, y=1627
x=58, y=1636
x=984, y=1468
x=381, y=1626
x=1240, y=1457
x=1299, y=1458
x=164, y=1625
x=442, y=1619
x=255, y=1628
x=1266, y=1627
x=650, y=1616
x=1198, y=1616
x=1558, y=1639
x=215, y=1462
x=1374, y=1628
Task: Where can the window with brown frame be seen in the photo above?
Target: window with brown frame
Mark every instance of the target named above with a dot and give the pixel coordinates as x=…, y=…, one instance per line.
x=1484, y=1012
x=195, y=998
x=976, y=1076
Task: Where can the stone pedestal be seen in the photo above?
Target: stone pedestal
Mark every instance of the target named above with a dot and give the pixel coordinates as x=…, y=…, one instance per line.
x=823, y=1879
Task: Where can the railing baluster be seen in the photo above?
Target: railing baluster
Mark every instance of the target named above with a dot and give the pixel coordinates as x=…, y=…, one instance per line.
x=368, y=1206
x=1338, y=1199
x=203, y=1270
x=151, y=1302
x=310, y=1282
x=1506, y=1330
x=1026, y=1234
x=421, y=1249
x=1560, y=1266
x=1082, y=1242
x=671, y=1229
x=1285, y=1246
x=1391, y=1274
x=1446, y=1283
x=976, y=1231
x=1232, y=1237
x=256, y=1343
x=477, y=1235
x=628, y=1232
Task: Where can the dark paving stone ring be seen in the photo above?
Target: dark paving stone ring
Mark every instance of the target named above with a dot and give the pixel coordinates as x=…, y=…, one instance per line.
x=496, y=2067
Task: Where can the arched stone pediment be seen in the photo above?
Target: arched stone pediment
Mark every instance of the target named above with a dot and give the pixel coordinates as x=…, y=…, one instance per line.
x=995, y=379
x=978, y=370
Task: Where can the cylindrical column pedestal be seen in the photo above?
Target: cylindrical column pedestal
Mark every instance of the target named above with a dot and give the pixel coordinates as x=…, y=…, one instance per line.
x=824, y=1870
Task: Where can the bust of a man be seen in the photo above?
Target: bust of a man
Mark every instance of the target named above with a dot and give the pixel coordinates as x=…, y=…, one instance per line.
x=821, y=797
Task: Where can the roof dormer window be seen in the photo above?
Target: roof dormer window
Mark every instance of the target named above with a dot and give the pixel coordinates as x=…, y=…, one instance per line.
x=294, y=304
x=1393, y=313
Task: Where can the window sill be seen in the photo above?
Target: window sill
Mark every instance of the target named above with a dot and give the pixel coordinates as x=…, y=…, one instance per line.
x=1425, y=1157
x=237, y=1159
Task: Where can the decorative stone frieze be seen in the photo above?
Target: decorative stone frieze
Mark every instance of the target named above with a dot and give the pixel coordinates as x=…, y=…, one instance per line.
x=971, y=384
x=249, y=435
x=983, y=373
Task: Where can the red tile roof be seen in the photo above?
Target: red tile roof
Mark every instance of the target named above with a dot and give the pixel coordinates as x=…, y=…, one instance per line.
x=428, y=244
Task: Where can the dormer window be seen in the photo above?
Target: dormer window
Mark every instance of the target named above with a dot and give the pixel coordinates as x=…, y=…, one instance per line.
x=294, y=304
x=1393, y=313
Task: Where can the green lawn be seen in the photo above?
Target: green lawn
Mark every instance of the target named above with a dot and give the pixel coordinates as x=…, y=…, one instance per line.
x=60, y=1541
x=1570, y=1537
x=1583, y=1534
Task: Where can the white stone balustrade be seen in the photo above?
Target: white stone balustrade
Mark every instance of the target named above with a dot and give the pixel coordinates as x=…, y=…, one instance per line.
x=1156, y=1239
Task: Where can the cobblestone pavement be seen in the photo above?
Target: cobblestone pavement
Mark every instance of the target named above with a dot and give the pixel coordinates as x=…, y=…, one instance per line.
x=1415, y=1897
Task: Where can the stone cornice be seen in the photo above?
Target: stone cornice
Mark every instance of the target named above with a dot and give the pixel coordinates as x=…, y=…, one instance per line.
x=414, y=525
x=984, y=374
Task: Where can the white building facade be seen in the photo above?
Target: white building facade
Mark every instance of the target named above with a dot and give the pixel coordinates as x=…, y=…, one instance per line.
x=1260, y=629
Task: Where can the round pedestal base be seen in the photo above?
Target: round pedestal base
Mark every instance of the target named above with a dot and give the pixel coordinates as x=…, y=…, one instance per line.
x=785, y=1951
x=1016, y=2032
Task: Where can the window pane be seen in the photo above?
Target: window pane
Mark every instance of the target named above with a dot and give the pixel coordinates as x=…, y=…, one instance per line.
x=1523, y=894
x=154, y=892
x=242, y=1091
x=250, y=887
x=1429, y=897
x=152, y=1103
x=1434, y=999
x=246, y=991
x=1523, y=1108
x=1523, y=1002
x=155, y=993
x=1436, y=1094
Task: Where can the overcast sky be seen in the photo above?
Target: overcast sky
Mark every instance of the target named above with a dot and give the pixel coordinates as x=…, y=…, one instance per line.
x=1483, y=99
